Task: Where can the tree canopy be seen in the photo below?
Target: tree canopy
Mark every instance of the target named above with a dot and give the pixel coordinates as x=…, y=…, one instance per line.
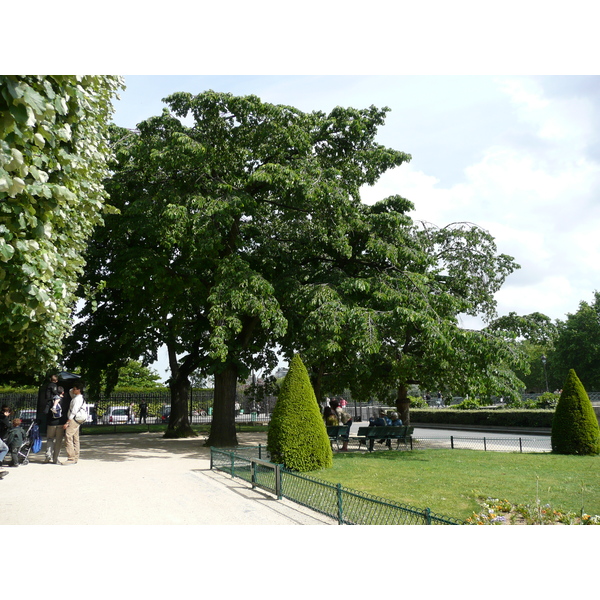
x=53, y=158
x=577, y=345
x=215, y=218
x=389, y=315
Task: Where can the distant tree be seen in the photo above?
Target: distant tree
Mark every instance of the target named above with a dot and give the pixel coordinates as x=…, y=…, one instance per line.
x=135, y=374
x=53, y=158
x=578, y=345
x=297, y=435
x=575, y=426
x=534, y=335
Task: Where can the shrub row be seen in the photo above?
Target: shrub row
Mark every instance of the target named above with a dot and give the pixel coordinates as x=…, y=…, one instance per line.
x=493, y=417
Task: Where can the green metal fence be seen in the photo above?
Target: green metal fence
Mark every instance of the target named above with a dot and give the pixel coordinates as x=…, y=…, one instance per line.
x=347, y=506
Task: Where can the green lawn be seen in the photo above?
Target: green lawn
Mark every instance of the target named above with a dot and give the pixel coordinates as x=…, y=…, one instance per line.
x=449, y=482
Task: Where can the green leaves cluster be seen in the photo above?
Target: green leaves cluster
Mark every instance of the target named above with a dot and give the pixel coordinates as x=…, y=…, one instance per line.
x=53, y=158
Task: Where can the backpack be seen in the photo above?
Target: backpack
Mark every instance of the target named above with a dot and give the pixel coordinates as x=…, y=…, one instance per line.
x=345, y=417
x=36, y=438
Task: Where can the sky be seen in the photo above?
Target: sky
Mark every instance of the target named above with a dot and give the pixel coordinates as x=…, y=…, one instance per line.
x=516, y=155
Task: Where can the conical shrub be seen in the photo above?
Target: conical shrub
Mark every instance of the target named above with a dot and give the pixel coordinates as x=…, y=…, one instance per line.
x=297, y=436
x=575, y=426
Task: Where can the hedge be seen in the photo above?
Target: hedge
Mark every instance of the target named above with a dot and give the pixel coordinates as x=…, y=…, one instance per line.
x=493, y=417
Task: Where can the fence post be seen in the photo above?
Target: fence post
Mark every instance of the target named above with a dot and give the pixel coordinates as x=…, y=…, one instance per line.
x=260, y=451
x=451, y=442
x=278, y=481
x=339, y=502
x=484, y=445
x=520, y=446
x=232, y=457
x=427, y=515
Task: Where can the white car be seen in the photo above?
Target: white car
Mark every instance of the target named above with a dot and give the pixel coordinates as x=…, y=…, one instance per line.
x=115, y=414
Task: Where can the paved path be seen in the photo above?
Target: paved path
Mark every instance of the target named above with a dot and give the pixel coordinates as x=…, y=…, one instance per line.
x=141, y=479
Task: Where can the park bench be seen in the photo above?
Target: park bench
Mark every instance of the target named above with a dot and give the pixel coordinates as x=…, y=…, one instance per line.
x=385, y=432
x=337, y=432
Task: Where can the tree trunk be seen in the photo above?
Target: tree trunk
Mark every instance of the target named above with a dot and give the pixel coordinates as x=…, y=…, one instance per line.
x=222, y=430
x=402, y=404
x=316, y=380
x=179, y=384
x=179, y=422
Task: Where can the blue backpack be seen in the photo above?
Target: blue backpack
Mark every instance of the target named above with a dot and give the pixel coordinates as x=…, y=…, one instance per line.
x=36, y=438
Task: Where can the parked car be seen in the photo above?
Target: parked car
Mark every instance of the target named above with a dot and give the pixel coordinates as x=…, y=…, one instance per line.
x=115, y=414
x=27, y=416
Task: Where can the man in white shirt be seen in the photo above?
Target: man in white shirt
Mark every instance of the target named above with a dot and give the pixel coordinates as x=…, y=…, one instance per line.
x=72, y=427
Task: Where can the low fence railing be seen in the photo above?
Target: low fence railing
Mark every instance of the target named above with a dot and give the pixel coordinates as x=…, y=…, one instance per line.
x=347, y=506
x=487, y=444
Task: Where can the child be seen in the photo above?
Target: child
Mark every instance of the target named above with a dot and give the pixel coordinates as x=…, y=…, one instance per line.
x=15, y=439
x=56, y=407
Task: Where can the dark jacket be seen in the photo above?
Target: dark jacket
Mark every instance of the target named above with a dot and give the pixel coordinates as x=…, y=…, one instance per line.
x=51, y=390
x=4, y=426
x=16, y=437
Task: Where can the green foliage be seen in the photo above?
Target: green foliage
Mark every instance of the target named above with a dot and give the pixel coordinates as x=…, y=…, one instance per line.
x=135, y=375
x=230, y=211
x=575, y=426
x=482, y=416
x=469, y=404
x=418, y=402
x=546, y=400
x=578, y=343
x=53, y=158
x=297, y=435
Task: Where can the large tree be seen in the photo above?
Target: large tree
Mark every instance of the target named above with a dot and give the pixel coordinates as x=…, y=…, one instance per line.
x=53, y=158
x=577, y=345
x=387, y=314
x=214, y=219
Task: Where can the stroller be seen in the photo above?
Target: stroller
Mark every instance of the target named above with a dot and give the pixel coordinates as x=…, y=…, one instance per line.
x=32, y=443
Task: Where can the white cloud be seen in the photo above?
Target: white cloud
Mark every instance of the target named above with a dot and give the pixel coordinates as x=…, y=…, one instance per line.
x=535, y=191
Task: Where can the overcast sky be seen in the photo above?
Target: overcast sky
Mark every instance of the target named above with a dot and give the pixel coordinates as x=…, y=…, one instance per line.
x=519, y=156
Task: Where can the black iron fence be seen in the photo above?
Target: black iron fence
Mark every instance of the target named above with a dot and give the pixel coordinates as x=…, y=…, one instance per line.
x=347, y=506
x=125, y=407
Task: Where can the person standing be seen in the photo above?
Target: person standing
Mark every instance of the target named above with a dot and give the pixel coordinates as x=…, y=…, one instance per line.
x=4, y=427
x=56, y=417
x=143, y=411
x=71, y=427
x=15, y=439
x=131, y=414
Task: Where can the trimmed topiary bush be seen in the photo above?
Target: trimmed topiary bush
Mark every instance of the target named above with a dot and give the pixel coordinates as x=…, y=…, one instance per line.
x=575, y=426
x=297, y=435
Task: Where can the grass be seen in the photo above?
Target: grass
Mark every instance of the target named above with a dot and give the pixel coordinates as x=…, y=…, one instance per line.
x=450, y=482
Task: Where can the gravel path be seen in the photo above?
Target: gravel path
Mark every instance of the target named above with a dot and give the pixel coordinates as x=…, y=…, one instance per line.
x=140, y=479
